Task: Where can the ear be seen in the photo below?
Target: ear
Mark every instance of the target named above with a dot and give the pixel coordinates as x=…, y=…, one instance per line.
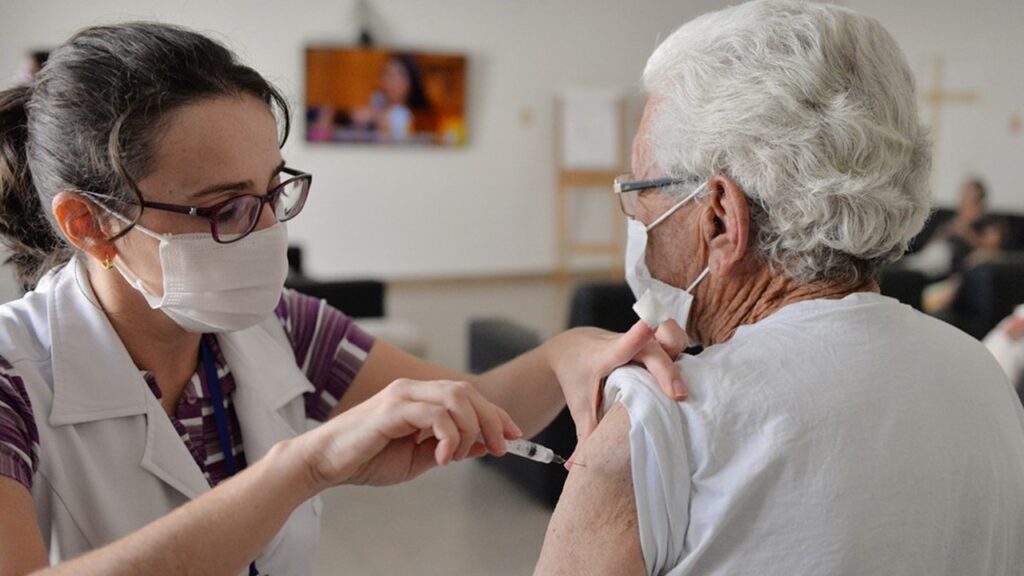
x=78, y=220
x=726, y=227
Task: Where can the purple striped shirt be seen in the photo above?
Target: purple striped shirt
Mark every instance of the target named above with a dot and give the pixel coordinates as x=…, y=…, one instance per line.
x=329, y=348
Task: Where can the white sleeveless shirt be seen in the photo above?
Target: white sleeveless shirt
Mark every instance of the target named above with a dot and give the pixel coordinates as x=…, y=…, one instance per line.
x=839, y=437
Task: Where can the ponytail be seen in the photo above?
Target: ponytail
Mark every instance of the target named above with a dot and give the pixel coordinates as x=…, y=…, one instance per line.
x=34, y=245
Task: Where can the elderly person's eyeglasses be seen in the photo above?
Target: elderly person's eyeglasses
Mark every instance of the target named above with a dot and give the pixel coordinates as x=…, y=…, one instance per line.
x=235, y=218
x=628, y=189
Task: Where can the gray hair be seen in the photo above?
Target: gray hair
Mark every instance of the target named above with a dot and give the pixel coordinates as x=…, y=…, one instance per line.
x=810, y=108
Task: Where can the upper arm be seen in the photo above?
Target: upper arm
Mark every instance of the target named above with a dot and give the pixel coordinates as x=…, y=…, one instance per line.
x=21, y=543
x=386, y=363
x=594, y=528
x=330, y=348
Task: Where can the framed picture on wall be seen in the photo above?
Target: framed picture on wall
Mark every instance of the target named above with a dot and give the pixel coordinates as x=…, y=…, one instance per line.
x=378, y=96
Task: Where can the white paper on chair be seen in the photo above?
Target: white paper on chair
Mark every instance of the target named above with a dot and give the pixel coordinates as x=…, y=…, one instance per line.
x=590, y=128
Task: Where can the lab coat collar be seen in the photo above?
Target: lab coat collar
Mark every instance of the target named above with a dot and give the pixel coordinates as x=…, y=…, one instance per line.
x=94, y=378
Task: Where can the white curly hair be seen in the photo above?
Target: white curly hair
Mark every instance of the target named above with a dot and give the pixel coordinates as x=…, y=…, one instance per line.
x=811, y=109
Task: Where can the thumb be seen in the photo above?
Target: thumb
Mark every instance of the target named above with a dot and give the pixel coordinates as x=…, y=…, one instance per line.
x=672, y=338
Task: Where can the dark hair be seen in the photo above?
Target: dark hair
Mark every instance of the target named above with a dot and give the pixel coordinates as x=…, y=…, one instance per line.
x=89, y=120
x=417, y=99
x=979, y=185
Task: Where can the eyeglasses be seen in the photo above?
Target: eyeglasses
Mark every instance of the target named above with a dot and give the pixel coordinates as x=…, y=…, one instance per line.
x=235, y=218
x=629, y=189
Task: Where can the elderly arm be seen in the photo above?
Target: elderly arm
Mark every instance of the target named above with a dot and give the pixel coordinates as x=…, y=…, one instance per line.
x=594, y=528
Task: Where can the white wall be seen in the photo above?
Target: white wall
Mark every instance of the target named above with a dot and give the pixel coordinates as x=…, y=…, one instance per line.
x=983, y=45
x=487, y=208
x=404, y=213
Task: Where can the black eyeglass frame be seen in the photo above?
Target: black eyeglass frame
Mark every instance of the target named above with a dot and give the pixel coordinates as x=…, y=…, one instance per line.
x=628, y=190
x=210, y=212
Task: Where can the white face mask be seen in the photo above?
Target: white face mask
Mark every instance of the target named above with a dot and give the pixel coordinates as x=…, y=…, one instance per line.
x=675, y=300
x=212, y=287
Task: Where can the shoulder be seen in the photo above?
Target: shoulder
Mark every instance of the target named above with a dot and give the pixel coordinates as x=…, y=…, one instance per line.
x=25, y=328
x=19, y=436
x=296, y=305
x=312, y=323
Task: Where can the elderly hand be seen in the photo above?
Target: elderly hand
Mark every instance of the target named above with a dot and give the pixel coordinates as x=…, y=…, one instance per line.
x=583, y=357
x=402, y=431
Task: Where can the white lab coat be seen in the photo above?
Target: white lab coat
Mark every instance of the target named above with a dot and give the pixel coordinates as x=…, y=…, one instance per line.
x=110, y=459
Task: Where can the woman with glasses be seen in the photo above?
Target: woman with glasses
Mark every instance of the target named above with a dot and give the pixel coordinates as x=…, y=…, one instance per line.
x=144, y=199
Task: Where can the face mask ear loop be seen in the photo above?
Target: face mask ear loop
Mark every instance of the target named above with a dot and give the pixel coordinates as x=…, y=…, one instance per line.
x=699, y=278
x=678, y=205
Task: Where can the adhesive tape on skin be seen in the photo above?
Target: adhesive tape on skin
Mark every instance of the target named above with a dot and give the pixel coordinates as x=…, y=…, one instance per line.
x=651, y=310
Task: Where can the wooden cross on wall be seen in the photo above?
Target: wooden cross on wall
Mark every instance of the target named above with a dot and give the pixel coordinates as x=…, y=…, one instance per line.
x=935, y=98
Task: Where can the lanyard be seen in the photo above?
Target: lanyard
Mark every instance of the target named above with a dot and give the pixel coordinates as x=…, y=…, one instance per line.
x=221, y=417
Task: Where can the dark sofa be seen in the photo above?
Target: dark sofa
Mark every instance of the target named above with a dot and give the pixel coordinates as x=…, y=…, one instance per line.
x=357, y=298
x=988, y=293
x=493, y=341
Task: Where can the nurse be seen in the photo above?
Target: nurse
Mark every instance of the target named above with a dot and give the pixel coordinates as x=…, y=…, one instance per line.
x=144, y=197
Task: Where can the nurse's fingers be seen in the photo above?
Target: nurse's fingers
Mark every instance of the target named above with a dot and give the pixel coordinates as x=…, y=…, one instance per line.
x=409, y=416
x=1015, y=328
x=672, y=338
x=448, y=439
x=624, y=348
x=663, y=368
x=452, y=397
x=642, y=345
x=475, y=416
x=495, y=424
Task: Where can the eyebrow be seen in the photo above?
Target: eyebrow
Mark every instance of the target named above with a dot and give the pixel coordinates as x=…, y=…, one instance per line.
x=232, y=186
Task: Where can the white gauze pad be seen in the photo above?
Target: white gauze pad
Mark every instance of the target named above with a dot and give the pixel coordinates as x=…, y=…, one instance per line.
x=651, y=310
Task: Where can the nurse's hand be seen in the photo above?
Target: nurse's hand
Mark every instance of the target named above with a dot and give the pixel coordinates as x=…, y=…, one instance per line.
x=1015, y=328
x=583, y=357
x=379, y=441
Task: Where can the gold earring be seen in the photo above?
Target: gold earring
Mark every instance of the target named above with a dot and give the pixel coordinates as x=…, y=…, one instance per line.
x=108, y=263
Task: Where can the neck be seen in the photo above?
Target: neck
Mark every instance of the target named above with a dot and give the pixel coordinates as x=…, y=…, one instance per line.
x=722, y=307
x=155, y=343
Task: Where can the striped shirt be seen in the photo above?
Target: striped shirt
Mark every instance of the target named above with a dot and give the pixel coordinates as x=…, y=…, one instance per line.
x=329, y=348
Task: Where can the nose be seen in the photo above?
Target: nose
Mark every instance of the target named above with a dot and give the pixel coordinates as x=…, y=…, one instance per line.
x=267, y=216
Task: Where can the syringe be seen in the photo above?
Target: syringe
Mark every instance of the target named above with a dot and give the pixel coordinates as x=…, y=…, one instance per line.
x=533, y=451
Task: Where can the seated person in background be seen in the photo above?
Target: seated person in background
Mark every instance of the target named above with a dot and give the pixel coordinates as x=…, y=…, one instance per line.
x=828, y=430
x=953, y=241
x=962, y=228
x=1006, y=343
x=990, y=234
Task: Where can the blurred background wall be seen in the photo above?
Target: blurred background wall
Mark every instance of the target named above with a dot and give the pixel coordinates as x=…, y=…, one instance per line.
x=487, y=209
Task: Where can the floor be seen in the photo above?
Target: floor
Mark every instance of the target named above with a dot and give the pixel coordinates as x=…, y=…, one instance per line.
x=465, y=519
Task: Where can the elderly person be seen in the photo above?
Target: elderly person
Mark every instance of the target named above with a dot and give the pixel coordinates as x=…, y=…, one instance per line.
x=829, y=430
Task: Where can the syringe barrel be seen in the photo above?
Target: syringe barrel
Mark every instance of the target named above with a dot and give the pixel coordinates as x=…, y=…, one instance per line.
x=530, y=450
